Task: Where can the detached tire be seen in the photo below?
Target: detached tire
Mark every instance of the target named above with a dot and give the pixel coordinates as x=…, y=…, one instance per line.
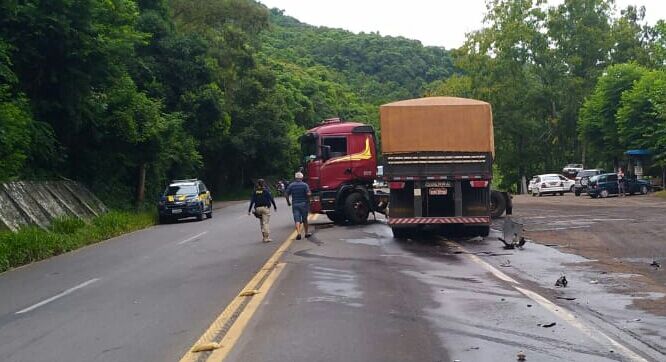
x=402, y=233
x=497, y=204
x=356, y=209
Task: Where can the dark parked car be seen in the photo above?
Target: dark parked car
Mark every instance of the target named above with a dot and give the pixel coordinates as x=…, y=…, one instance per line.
x=582, y=178
x=185, y=198
x=605, y=185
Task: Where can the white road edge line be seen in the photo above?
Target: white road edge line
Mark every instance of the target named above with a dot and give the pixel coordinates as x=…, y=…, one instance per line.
x=192, y=238
x=559, y=311
x=57, y=296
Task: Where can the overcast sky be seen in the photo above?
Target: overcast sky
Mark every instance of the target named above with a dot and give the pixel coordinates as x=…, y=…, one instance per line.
x=433, y=22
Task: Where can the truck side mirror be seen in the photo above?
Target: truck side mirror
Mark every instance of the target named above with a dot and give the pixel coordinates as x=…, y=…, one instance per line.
x=325, y=152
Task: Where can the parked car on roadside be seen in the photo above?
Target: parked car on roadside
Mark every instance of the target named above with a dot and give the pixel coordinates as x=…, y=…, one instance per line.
x=530, y=184
x=551, y=184
x=185, y=198
x=572, y=169
x=605, y=185
x=582, y=178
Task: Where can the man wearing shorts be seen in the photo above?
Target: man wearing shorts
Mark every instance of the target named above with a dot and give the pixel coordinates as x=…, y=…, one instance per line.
x=300, y=194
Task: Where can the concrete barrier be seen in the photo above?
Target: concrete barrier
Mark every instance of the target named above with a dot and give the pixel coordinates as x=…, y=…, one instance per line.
x=38, y=202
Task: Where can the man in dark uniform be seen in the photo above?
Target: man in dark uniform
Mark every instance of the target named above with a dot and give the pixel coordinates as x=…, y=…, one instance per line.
x=262, y=200
x=300, y=194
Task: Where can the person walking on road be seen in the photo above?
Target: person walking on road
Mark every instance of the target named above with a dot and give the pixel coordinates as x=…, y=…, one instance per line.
x=300, y=194
x=262, y=200
x=620, y=182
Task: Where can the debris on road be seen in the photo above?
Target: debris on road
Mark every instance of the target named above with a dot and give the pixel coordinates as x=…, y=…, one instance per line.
x=594, y=282
x=506, y=264
x=206, y=347
x=562, y=282
x=529, y=306
x=566, y=298
x=521, y=356
x=655, y=264
x=248, y=293
x=512, y=235
x=548, y=325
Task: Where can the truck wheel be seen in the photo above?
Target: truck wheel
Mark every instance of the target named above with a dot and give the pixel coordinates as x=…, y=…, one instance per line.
x=356, y=208
x=336, y=217
x=482, y=231
x=644, y=190
x=604, y=194
x=571, y=189
x=577, y=192
x=401, y=233
x=497, y=204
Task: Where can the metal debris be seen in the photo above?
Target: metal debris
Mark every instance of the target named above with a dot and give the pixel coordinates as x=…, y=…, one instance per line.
x=566, y=298
x=655, y=264
x=594, y=282
x=562, y=282
x=506, y=264
x=548, y=325
x=512, y=234
x=521, y=356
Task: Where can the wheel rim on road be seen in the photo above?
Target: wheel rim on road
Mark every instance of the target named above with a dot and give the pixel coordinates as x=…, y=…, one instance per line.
x=604, y=193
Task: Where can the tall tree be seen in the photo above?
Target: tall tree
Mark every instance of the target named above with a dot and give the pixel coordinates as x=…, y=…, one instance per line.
x=597, y=125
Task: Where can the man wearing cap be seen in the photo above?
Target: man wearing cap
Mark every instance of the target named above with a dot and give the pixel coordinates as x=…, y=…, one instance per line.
x=262, y=200
x=300, y=194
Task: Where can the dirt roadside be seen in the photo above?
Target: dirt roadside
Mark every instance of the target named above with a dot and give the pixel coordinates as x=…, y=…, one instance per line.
x=618, y=235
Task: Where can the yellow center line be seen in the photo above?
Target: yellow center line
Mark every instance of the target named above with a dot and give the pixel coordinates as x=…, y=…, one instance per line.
x=268, y=273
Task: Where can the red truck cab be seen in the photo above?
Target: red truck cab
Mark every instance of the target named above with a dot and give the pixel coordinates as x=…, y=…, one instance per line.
x=340, y=167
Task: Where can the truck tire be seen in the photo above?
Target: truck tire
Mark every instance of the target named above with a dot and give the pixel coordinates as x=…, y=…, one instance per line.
x=482, y=231
x=577, y=192
x=336, y=217
x=356, y=208
x=402, y=233
x=497, y=204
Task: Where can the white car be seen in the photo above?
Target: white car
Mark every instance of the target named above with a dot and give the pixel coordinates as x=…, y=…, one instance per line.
x=530, y=184
x=551, y=184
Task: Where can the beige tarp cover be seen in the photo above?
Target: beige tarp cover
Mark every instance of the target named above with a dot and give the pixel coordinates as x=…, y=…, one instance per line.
x=437, y=124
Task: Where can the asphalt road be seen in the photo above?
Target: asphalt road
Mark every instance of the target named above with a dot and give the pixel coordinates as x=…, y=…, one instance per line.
x=350, y=293
x=146, y=296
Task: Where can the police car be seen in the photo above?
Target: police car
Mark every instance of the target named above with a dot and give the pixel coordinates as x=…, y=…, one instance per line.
x=185, y=198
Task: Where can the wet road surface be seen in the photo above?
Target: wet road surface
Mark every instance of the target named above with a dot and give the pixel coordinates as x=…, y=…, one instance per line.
x=350, y=293
x=355, y=293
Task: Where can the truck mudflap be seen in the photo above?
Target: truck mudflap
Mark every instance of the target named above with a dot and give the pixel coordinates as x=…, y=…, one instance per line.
x=470, y=220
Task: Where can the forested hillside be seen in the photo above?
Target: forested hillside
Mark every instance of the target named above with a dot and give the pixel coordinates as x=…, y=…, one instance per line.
x=124, y=95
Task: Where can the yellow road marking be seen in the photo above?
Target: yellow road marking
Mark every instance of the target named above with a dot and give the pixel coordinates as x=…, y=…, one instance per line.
x=268, y=273
x=236, y=330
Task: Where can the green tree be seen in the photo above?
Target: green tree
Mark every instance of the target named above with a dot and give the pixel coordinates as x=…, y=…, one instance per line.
x=641, y=118
x=597, y=125
x=15, y=120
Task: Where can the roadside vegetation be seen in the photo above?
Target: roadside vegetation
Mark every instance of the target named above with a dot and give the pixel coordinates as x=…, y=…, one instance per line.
x=125, y=95
x=32, y=243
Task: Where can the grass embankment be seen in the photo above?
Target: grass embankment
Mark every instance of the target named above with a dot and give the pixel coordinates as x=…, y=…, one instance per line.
x=33, y=243
x=661, y=193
